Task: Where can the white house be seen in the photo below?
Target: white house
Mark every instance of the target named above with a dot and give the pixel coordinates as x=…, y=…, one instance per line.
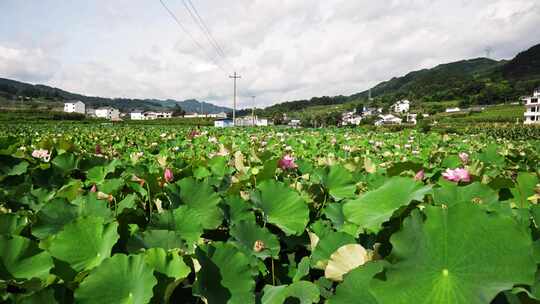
x=157, y=115
x=217, y=115
x=532, y=108
x=223, y=123
x=388, y=120
x=75, y=107
x=136, y=115
x=295, y=123
x=452, y=110
x=350, y=118
x=108, y=113
x=401, y=106
x=250, y=121
x=367, y=111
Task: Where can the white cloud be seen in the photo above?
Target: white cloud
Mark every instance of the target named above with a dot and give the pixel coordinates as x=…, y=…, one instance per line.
x=284, y=49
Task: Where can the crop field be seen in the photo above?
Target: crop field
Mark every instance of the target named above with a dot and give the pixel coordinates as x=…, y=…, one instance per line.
x=167, y=214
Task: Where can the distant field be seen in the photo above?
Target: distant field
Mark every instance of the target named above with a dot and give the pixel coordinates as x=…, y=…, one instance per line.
x=498, y=113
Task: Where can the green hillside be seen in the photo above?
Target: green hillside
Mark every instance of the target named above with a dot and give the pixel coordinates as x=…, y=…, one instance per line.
x=15, y=93
x=479, y=81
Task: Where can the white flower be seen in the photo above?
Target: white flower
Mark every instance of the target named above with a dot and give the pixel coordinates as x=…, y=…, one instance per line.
x=212, y=140
x=42, y=154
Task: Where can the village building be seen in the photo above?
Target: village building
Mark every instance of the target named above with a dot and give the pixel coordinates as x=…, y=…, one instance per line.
x=251, y=121
x=402, y=106
x=532, y=108
x=388, y=119
x=453, y=110
x=223, y=123
x=108, y=113
x=350, y=118
x=75, y=107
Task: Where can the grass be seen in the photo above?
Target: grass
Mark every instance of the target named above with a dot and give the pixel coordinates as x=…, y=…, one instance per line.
x=498, y=113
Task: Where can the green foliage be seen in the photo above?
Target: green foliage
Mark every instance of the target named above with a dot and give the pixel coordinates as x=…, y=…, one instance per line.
x=80, y=226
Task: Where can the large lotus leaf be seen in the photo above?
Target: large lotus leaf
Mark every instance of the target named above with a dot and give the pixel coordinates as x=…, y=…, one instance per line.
x=71, y=190
x=52, y=217
x=44, y=296
x=491, y=156
x=12, y=223
x=90, y=205
x=167, y=263
x=203, y=200
x=20, y=258
x=305, y=292
x=525, y=184
x=339, y=182
x=451, y=193
x=460, y=254
x=18, y=169
x=247, y=233
x=375, y=207
x=85, y=243
x=354, y=288
x=283, y=207
x=65, y=162
x=225, y=275
x=237, y=209
x=158, y=238
x=184, y=221
x=119, y=279
x=328, y=242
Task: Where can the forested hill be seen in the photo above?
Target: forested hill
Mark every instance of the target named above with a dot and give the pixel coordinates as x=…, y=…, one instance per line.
x=16, y=90
x=474, y=81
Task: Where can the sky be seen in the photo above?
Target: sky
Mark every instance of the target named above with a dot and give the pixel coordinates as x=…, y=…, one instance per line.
x=283, y=49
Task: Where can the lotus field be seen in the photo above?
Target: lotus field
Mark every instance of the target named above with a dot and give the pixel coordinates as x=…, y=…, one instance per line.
x=161, y=214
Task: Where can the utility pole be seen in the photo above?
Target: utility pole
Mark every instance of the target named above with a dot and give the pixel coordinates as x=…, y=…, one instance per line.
x=234, y=77
x=253, y=111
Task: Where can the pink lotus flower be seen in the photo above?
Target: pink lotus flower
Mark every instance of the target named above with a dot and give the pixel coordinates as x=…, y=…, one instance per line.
x=42, y=154
x=93, y=189
x=168, y=175
x=98, y=149
x=419, y=175
x=464, y=157
x=457, y=175
x=287, y=162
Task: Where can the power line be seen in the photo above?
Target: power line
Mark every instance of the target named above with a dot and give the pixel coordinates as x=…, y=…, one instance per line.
x=199, y=21
x=189, y=34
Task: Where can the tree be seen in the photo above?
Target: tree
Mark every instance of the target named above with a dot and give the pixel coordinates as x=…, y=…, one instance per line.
x=178, y=111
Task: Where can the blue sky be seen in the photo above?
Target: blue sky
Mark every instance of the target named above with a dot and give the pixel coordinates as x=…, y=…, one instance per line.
x=284, y=49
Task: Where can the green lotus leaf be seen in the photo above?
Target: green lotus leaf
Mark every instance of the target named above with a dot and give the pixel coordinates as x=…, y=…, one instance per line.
x=18, y=169
x=225, y=275
x=237, y=209
x=90, y=205
x=247, y=233
x=167, y=263
x=44, y=296
x=525, y=184
x=302, y=270
x=305, y=292
x=450, y=194
x=283, y=207
x=460, y=254
x=65, y=162
x=355, y=286
x=112, y=186
x=12, y=223
x=203, y=200
x=22, y=259
x=119, y=279
x=339, y=182
x=85, y=243
x=375, y=207
x=52, y=218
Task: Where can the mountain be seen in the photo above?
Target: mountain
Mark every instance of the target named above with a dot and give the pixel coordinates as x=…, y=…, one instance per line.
x=473, y=81
x=11, y=89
